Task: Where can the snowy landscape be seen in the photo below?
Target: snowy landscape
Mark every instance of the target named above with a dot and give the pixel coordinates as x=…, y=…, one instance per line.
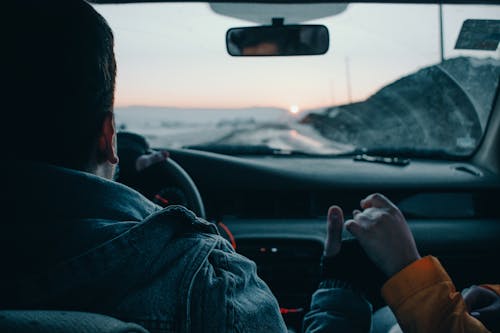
x=175, y=128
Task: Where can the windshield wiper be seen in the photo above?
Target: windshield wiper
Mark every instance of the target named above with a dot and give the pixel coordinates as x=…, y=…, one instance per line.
x=244, y=150
x=393, y=156
x=230, y=149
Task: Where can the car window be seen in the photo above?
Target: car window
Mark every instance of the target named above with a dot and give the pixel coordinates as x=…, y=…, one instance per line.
x=389, y=81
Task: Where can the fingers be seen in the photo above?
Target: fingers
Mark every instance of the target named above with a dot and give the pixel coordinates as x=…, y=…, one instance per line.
x=355, y=228
x=158, y=157
x=376, y=207
x=383, y=233
x=376, y=200
x=360, y=222
x=334, y=226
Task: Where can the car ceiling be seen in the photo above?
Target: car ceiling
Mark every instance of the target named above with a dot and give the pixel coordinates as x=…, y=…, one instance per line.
x=486, y=2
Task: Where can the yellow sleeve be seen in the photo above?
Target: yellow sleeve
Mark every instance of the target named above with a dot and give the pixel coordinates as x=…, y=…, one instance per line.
x=424, y=300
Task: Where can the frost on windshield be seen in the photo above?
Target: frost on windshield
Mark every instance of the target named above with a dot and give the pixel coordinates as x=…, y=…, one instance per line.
x=442, y=107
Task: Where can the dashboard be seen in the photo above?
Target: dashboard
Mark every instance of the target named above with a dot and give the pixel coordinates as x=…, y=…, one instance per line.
x=272, y=209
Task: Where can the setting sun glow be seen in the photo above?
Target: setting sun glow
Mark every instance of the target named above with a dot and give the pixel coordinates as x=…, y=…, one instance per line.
x=294, y=109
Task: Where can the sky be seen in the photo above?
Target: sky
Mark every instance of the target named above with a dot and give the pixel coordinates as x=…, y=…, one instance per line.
x=174, y=55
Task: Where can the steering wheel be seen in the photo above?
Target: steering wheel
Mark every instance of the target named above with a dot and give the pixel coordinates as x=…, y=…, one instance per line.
x=164, y=176
x=175, y=172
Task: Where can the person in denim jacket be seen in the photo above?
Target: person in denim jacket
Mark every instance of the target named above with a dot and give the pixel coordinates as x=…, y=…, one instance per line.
x=71, y=237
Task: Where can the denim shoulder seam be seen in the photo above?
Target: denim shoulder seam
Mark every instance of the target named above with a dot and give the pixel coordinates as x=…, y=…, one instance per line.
x=198, y=263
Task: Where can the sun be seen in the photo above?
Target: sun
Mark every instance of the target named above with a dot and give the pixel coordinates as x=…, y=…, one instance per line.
x=294, y=109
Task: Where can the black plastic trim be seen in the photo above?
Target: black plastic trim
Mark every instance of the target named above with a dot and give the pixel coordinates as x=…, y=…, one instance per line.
x=484, y=2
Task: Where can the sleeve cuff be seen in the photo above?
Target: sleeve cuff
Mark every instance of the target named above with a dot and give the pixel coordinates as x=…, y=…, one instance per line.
x=335, y=283
x=415, y=277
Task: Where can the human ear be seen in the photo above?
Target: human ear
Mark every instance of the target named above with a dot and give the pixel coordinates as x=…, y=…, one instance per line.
x=107, y=140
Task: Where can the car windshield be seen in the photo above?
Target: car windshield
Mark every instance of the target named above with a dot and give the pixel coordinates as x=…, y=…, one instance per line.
x=409, y=78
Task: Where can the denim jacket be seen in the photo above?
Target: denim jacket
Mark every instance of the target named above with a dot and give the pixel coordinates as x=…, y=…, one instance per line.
x=71, y=240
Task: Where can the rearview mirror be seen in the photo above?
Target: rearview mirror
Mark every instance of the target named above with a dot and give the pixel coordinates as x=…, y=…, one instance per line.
x=278, y=40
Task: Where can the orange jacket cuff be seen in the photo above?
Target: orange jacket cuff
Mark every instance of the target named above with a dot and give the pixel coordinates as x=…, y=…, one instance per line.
x=415, y=277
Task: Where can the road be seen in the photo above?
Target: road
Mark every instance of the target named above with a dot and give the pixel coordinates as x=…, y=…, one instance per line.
x=292, y=136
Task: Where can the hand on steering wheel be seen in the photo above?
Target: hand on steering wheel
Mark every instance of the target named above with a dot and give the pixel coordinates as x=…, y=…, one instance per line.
x=149, y=171
x=146, y=160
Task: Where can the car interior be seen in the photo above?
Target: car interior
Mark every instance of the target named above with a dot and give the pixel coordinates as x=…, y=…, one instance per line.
x=426, y=135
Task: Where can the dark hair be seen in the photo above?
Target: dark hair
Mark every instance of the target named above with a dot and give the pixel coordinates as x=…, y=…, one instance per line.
x=60, y=75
